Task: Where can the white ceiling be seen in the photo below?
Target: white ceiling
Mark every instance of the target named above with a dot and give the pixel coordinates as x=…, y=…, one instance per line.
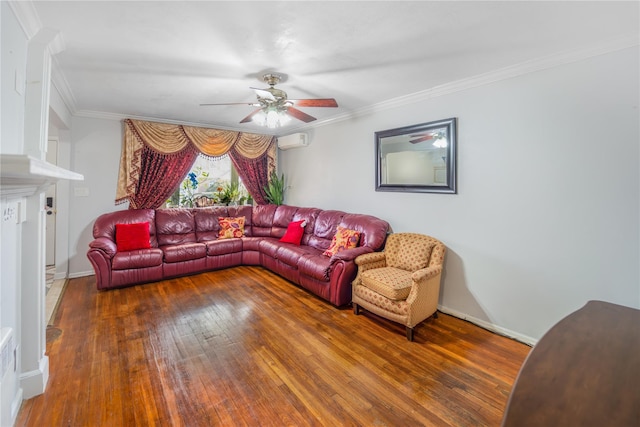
x=160, y=59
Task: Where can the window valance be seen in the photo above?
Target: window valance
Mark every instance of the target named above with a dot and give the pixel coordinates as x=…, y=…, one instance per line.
x=175, y=140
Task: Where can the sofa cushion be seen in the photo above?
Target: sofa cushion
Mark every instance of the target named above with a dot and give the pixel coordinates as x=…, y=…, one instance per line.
x=325, y=228
x=132, y=236
x=269, y=247
x=309, y=215
x=206, y=221
x=231, y=227
x=315, y=265
x=140, y=258
x=290, y=254
x=294, y=233
x=343, y=239
x=252, y=243
x=262, y=220
x=390, y=282
x=223, y=246
x=105, y=224
x=184, y=252
x=373, y=231
x=175, y=226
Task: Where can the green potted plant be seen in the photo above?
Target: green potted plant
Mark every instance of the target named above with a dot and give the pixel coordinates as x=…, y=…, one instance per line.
x=275, y=189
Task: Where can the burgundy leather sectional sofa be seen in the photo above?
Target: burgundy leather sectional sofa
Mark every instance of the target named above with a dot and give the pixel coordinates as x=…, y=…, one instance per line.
x=185, y=241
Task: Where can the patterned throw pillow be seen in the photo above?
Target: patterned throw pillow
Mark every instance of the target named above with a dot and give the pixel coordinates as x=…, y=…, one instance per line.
x=344, y=239
x=294, y=232
x=231, y=227
x=130, y=237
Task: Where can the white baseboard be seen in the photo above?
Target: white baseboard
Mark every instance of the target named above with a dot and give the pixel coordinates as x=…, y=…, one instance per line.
x=34, y=382
x=81, y=274
x=59, y=275
x=489, y=326
x=15, y=406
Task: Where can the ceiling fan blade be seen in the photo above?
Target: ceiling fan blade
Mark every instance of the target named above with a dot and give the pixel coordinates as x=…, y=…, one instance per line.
x=424, y=138
x=300, y=115
x=252, y=104
x=263, y=93
x=326, y=102
x=250, y=116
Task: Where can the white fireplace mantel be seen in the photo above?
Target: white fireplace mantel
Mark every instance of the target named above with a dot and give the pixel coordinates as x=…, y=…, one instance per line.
x=22, y=175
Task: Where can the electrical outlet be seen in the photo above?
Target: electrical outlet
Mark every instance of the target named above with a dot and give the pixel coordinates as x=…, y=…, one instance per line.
x=81, y=191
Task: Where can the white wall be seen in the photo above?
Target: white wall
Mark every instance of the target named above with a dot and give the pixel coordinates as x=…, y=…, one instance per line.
x=96, y=146
x=547, y=211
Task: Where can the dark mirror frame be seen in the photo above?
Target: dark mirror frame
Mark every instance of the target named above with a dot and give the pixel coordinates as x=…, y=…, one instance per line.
x=450, y=161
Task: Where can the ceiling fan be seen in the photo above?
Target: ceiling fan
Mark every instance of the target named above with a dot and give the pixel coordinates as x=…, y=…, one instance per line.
x=275, y=107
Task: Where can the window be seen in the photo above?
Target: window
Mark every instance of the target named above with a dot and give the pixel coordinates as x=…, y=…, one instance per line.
x=210, y=181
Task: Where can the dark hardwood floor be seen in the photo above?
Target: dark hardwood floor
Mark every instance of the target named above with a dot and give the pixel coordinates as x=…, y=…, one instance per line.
x=244, y=347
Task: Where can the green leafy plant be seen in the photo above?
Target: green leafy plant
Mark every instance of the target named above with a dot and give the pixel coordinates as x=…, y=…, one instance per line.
x=275, y=189
x=230, y=193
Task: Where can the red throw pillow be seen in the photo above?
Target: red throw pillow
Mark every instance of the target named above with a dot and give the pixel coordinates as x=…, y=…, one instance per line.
x=130, y=237
x=294, y=232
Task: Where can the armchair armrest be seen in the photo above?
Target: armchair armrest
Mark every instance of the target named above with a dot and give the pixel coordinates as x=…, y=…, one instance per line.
x=425, y=274
x=106, y=245
x=373, y=257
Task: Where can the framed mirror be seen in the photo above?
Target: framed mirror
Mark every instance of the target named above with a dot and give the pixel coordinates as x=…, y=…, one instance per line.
x=419, y=158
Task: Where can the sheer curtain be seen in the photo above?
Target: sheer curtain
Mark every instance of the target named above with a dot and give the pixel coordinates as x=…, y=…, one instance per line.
x=156, y=156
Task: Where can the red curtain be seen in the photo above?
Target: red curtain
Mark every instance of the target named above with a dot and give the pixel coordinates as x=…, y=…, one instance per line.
x=160, y=176
x=156, y=156
x=254, y=174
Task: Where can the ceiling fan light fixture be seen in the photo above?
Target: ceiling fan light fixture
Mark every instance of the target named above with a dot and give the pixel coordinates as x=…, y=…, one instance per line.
x=271, y=117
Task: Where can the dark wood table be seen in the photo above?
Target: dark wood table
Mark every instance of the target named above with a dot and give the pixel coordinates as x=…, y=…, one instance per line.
x=585, y=371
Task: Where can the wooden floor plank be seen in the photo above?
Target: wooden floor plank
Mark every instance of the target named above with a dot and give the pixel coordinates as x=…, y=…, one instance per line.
x=243, y=346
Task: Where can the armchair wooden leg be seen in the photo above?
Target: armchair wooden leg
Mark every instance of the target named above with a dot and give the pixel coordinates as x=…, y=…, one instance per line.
x=410, y=334
x=356, y=308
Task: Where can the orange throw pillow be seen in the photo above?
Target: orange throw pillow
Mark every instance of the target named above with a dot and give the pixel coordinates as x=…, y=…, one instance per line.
x=344, y=239
x=231, y=227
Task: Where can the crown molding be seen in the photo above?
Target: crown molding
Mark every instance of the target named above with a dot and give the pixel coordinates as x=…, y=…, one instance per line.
x=527, y=67
x=27, y=17
x=62, y=85
x=29, y=20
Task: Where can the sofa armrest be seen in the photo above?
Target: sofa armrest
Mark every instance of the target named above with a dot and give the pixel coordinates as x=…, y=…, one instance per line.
x=351, y=254
x=106, y=245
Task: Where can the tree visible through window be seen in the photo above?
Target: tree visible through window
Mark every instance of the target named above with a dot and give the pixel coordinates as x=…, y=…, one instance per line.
x=214, y=178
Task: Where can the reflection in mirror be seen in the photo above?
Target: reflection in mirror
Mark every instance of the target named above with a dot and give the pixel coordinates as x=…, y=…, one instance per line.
x=418, y=158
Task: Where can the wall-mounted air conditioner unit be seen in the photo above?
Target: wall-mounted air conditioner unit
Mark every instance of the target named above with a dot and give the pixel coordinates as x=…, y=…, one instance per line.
x=293, y=141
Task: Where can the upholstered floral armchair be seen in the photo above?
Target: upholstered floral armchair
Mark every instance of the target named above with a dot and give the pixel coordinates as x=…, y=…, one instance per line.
x=402, y=283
